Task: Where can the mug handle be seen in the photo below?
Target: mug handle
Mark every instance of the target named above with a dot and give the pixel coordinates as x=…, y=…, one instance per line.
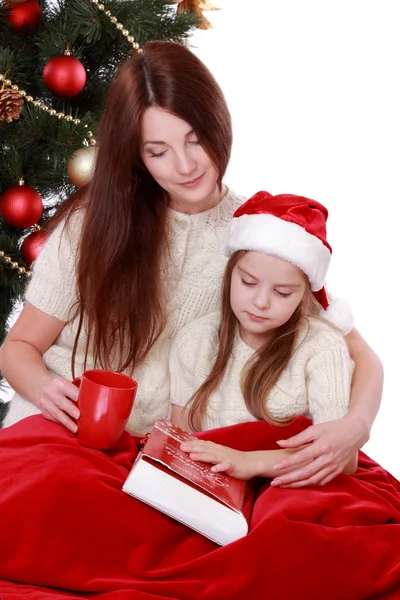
x=77, y=381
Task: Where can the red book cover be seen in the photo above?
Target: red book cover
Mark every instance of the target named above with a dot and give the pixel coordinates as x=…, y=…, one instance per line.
x=163, y=446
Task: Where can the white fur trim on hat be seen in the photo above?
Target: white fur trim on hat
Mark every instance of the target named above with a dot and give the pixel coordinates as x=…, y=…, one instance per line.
x=275, y=236
x=339, y=314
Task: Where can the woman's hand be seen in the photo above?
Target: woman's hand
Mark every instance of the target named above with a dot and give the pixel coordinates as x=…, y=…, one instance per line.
x=57, y=402
x=21, y=361
x=233, y=462
x=332, y=446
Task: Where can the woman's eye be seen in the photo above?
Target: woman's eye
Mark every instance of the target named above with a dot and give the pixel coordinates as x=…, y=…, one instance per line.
x=283, y=295
x=157, y=155
x=248, y=283
x=194, y=142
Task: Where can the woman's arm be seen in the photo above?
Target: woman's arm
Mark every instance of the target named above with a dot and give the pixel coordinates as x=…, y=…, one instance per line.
x=333, y=445
x=22, y=365
x=367, y=385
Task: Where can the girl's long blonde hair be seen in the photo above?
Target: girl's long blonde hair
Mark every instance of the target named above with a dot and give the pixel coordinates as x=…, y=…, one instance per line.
x=266, y=365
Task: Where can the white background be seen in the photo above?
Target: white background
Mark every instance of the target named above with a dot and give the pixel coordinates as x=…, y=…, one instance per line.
x=313, y=89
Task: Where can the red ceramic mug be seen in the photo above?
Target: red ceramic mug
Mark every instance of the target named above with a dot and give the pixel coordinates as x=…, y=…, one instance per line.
x=105, y=402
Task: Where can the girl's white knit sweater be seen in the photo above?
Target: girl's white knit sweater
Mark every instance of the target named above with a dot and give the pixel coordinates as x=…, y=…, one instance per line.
x=316, y=381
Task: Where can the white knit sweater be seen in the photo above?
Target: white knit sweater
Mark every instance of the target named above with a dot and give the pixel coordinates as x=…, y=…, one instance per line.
x=192, y=283
x=315, y=383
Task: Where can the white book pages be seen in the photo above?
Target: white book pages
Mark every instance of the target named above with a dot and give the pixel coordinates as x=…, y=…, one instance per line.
x=185, y=503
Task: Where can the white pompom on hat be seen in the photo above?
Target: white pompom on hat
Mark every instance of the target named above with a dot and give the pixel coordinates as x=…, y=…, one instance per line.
x=292, y=228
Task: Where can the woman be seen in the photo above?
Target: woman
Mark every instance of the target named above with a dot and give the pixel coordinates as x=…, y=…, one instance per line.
x=139, y=256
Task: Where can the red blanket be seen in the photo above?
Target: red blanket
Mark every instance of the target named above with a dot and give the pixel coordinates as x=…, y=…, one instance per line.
x=68, y=531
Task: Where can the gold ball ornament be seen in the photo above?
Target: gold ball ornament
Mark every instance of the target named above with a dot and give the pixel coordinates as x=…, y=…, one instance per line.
x=80, y=165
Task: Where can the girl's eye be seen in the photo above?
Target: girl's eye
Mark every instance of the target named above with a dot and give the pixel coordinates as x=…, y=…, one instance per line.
x=194, y=142
x=157, y=155
x=283, y=295
x=248, y=283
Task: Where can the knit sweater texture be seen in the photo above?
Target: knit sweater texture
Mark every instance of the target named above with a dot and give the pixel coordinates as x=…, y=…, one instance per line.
x=315, y=383
x=192, y=280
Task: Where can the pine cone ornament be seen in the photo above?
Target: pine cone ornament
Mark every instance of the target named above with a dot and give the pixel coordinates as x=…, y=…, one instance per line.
x=10, y=105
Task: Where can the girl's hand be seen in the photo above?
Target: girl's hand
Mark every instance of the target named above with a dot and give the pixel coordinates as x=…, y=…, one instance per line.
x=331, y=447
x=233, y=462
x=55, y=402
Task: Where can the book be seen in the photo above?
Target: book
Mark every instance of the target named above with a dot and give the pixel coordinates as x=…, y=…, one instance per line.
x=214, y=504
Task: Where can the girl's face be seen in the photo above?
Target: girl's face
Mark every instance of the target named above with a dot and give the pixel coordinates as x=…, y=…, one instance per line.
x=265, y=292
x=172, y=154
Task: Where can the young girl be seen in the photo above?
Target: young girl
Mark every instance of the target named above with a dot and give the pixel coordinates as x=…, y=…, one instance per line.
x=271, y=355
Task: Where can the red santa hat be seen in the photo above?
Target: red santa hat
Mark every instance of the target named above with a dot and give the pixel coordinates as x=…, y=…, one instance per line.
x=293, y=228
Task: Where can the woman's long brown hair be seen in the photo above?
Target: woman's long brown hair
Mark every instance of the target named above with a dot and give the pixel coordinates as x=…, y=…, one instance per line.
x=124, y=239
x=263, y=369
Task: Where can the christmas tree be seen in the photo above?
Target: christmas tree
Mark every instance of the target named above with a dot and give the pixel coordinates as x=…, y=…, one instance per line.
x=57, y=60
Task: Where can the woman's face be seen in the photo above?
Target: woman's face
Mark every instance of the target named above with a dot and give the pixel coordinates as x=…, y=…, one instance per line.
x=174, y=157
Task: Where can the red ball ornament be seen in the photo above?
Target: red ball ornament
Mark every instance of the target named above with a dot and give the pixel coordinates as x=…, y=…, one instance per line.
x=32, y=245
x=24, y=16
x=21, y=206
x=64, y=76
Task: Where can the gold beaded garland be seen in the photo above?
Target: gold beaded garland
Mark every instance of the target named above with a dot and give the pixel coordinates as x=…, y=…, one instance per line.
x=37, y=103
x=14, y=265
x=118, y=25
